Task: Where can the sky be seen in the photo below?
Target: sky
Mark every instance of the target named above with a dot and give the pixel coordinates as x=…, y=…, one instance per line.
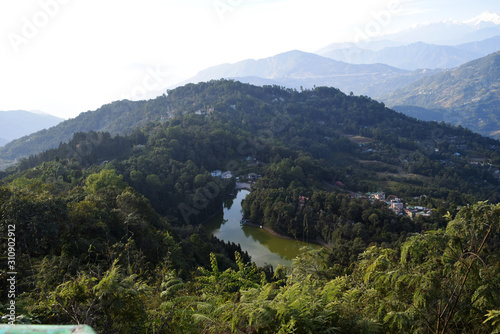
x=64, y=57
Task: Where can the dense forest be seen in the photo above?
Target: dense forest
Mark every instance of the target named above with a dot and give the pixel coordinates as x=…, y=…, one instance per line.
x=109, y=229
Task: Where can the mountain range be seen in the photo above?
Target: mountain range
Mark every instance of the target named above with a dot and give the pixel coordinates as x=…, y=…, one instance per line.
x=468, y=95
x=295, y=69
x=449, y=32
x=17, y=123
x=414, y=56
x=408, y=77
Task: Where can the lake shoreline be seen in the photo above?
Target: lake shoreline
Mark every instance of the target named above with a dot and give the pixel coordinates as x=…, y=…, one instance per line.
x=263, y=245
x=281, y=236
x=247, y=186
x=238, y=186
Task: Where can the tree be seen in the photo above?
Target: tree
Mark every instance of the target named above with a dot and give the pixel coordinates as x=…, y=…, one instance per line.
x=441, y=280
x=103, y=179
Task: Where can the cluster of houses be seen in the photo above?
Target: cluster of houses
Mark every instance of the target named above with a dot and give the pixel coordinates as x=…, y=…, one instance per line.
x=222, y=175
x=204, y=111
x=229, y=174
x=411, y=211
x=395, y=204
x=251, y=162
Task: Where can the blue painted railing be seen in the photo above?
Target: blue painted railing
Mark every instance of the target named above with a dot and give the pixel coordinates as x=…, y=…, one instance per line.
x=46, y=329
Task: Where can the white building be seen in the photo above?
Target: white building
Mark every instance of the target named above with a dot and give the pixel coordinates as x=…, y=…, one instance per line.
x=227, y=175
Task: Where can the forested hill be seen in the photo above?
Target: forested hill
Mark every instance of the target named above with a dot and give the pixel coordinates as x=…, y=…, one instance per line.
x=109, y=230
x=122, y=117
x=117, y=117
x=373, y=146
x=468, y=95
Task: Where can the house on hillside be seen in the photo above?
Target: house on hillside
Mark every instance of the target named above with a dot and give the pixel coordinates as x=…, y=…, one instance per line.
x=302, y=200
x=219, y=173
x=379, y=196
x=227, y=175
x=397, y=206
x=410, y=212
x=254, y=176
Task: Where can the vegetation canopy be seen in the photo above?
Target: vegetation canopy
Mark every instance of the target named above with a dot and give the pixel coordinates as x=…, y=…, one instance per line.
x=110, y=229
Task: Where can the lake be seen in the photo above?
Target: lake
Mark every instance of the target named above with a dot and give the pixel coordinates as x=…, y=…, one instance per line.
x=263, y=247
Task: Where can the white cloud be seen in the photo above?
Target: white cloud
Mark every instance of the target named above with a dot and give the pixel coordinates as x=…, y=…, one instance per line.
x=484, y=17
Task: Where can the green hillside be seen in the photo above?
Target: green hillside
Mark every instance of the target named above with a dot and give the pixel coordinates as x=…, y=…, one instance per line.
x=109, y=229
x=468, y=95
x=117, y=117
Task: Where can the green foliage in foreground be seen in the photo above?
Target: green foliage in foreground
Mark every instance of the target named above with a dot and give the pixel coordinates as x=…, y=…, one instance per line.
x=441, y=281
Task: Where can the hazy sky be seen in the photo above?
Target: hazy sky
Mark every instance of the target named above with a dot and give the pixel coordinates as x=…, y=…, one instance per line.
x=68, y=56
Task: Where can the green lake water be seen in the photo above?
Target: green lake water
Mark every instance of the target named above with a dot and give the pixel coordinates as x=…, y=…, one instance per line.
x=263, y=247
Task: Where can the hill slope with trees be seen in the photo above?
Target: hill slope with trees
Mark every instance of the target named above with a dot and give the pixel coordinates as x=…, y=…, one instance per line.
x=117, y=117
x=110, y=229
x=467, y=95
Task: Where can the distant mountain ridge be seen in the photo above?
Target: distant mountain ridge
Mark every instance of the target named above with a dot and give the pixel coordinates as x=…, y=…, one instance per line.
x=116, y=117
x=17, y=123
x=291, y=65
x=451, y=32
x=414, y=56
x=468, y=95
x=295, y=69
